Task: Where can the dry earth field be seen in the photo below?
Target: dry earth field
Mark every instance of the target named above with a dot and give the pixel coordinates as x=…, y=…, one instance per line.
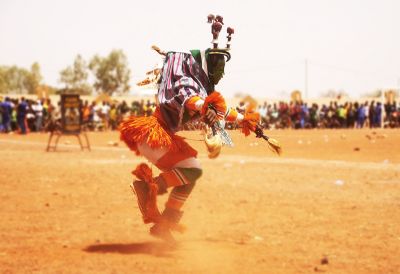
x=330, y=203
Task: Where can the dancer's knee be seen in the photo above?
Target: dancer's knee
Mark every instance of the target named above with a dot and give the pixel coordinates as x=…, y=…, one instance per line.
x=178, y=177
x=192, y=174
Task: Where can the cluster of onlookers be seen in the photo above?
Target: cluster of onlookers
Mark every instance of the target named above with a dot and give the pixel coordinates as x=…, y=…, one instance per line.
x=334, y=115
x=107, y=116
x=23, y=116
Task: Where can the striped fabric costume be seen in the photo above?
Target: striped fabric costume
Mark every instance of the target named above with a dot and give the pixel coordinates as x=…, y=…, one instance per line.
x=182, y=79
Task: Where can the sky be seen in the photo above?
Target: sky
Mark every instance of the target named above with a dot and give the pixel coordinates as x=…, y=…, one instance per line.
x=278, y=46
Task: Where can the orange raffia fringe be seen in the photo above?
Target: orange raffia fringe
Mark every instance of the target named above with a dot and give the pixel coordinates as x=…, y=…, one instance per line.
x=144, y=129
x=250, y=122
x=151, y=130
x=217, y=101
x=144, y=173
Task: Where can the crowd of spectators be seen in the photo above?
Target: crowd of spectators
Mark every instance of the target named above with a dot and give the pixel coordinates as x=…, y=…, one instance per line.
x=23, y=116
x=300, y=115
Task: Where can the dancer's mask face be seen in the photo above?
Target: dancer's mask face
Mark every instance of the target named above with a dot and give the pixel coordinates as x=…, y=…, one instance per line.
x=216, y=68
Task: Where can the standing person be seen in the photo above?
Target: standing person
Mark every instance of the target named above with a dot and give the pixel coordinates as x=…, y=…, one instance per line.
x=30, y=117
x=263, y=110
x=274, y=116
x=292, y=112
x=350, y=115
x=22, y=110
x=323, y=116
x=186, y=93
x=1, y=115
x=284, y=116
x=124, y=111
x=96, y=112
x=45, y=112
x=298, y=114
x=314, y=115
x=148, y=109
x=105, y=114
x=378, y=115
x=113, y=117
x=366, y=114
x=304, y=114
x=55, y=117
x=91, y=125
x=360, y=116
x=6, y=107
x=14, y=121
x=135, y=107
x=371, y=115
x=38, y=111
x=341, y=114
x=85, y=114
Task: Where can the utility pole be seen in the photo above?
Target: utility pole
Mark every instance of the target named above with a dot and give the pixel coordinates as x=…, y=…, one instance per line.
x=306, y=79
x=382, y=108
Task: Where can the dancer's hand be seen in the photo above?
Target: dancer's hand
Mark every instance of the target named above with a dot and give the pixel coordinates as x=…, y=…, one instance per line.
x=211, y=117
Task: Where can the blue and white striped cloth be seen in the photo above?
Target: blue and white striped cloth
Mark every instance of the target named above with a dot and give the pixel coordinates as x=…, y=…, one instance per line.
x=182, y=78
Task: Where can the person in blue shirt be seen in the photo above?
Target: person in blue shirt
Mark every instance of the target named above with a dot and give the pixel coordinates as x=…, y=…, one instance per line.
x=6, y=114
x=360, y=116
x=21, y=115
x=378, y=115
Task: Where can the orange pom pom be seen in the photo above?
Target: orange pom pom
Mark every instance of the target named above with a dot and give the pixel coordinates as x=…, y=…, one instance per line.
x=250, y=122
x=217, y=101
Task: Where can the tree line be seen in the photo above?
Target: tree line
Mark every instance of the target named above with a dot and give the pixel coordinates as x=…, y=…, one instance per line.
x=110, y=73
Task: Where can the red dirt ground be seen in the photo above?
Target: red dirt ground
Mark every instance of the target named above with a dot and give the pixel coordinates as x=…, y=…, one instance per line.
x=324, y=206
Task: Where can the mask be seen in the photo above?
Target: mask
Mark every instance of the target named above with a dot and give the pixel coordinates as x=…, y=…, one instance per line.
x=216, y=68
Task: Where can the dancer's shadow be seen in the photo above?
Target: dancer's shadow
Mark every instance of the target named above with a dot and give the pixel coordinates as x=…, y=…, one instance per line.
x=157, y=249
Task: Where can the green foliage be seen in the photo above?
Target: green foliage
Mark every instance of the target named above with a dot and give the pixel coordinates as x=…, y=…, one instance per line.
x=112, y=73
x=331, y=93
x=19, y=80
x=3, y=80
x=75, y=77
x=377, y=93
x=36, y=74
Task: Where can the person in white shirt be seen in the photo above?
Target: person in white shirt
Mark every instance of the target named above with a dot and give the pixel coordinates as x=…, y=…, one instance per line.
x=105, y=114
x=38, y=110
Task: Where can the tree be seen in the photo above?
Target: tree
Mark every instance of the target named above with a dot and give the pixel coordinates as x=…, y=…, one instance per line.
x=33, y=79
x=75, y=77
x=112, y=73
x=3, y=80
x=19, y=80
x=35, y=72
x=331, y=93
x=15, y=80
x=377, y=93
